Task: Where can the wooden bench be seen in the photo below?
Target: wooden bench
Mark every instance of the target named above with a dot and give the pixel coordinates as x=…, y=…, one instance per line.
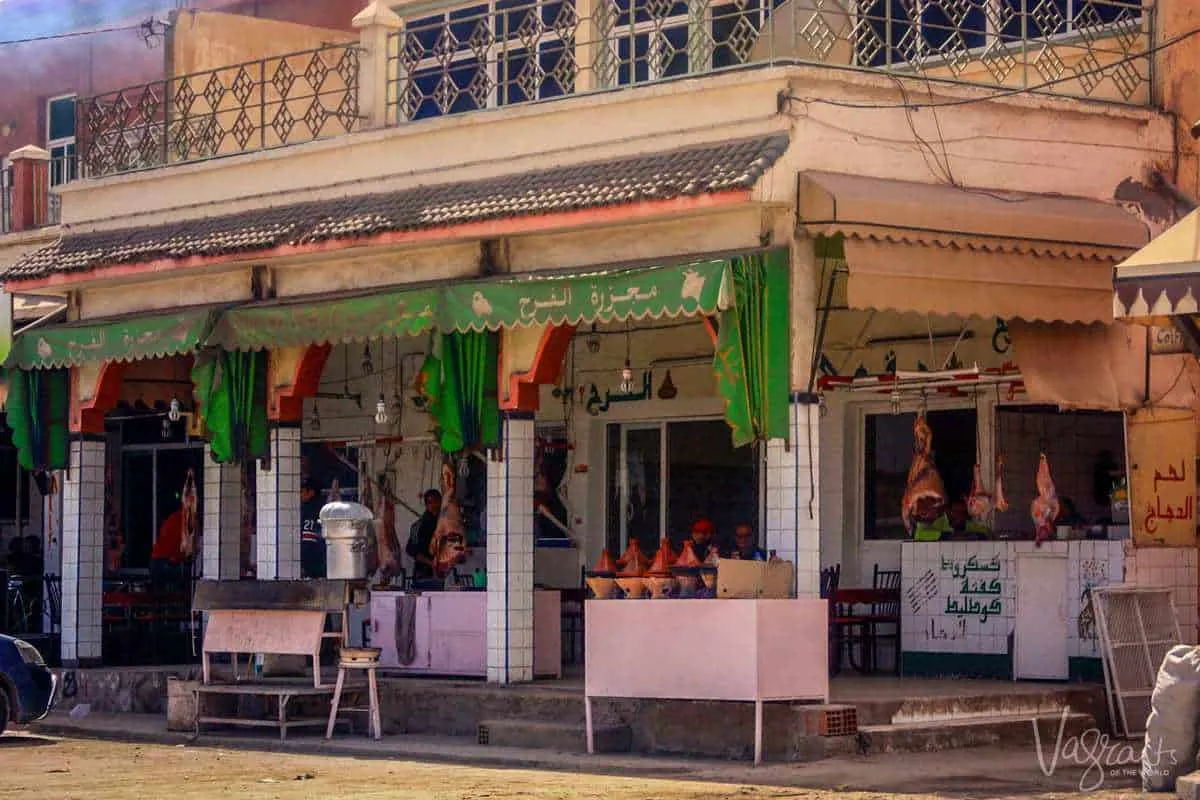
x=262, y=631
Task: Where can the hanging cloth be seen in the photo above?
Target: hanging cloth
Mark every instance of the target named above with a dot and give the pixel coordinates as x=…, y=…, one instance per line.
x=459, y=383
x=752, y=359
x=38, y=405
x=231, y=392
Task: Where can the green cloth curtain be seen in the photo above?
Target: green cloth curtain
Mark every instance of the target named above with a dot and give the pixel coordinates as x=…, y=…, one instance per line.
x=459, y=383
x=231, y=390
x=38, y=405
x=752, y=358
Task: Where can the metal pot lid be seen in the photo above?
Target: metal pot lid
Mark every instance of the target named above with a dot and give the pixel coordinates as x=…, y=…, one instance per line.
x=345, y=511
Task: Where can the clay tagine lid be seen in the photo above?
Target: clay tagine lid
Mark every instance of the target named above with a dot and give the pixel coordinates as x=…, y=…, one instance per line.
x=661, y=566
x=606, y=565
x=664, y=546
x=632, y=553
x=687, y=556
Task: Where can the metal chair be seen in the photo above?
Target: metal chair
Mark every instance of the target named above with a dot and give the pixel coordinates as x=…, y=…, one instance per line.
x=886, y=614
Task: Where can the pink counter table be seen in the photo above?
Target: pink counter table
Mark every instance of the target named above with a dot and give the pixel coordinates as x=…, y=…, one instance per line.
x=755, y=651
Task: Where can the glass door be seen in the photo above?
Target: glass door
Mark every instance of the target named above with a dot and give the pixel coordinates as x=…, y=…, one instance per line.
x=636, y=477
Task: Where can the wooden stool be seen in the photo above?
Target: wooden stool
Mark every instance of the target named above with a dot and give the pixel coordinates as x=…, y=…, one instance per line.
x=372, y=707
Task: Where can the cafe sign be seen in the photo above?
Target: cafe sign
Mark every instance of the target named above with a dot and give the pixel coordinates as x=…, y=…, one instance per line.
x=1162, y=479
x=1166, y=340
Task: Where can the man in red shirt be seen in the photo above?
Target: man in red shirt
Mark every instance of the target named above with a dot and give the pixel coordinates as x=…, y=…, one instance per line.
x=167, y=559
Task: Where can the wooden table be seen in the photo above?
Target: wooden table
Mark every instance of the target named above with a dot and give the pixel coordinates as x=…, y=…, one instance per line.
x=843, y=616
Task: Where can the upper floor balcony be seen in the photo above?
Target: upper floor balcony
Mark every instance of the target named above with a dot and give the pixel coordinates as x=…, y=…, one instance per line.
x=462, y=58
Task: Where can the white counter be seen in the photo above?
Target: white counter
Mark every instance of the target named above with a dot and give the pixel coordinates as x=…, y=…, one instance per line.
x=1005, y=601
x=450, y=633
x=743, y=650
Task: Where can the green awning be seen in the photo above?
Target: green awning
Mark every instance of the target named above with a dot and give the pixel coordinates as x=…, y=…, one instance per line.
x=595, y=296
x=112, y=340
x=397, y=313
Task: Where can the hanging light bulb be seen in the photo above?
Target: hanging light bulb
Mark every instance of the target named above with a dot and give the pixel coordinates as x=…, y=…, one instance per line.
x=174, y=414
x=593, y=341
x=368, y=366
x=381, y=415
x=315, y=421
x=627, y=378
x=464, y=467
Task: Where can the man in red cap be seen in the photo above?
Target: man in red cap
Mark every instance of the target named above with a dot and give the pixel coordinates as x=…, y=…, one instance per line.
x=702, y=535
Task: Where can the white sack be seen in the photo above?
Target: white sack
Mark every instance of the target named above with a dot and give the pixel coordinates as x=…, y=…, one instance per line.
x=1170, y=748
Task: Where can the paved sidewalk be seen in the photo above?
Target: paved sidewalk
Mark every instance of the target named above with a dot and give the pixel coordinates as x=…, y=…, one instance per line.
x=976, y=772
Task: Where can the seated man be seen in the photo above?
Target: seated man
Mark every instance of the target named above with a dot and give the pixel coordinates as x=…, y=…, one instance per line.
x=702, y=534
x=745, y=547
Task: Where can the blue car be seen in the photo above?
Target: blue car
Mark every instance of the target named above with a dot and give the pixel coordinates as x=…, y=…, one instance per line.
x=26, y=685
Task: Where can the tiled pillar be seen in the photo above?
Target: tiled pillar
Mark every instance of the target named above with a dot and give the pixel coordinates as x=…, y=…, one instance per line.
x=793, y=496
x=82, y=552
x=510, y=555
x=222, y=531
x=278, y=503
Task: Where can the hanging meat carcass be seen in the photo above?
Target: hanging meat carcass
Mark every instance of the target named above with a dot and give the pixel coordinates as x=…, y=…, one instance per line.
x=385, y=531
x=449, y=544
x=925, y=496
x=187, y=542
x=1045, y=506
x=999, y=501
x=979, y=502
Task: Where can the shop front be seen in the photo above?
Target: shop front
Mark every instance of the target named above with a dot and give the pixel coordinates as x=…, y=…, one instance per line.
x=976, y=395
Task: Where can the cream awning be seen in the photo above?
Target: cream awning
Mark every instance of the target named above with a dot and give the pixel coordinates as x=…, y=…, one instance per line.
x=1163, y=278
x=944, y=250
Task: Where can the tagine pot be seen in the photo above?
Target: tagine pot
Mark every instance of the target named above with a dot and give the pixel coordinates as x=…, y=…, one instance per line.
x=660, y=586
x=602, y=586
x=634, y=588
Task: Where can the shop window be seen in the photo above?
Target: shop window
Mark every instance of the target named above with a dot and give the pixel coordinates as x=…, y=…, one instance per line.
x=1086, y=452
x=888, y=455
x=60, y=139
x=663, y=476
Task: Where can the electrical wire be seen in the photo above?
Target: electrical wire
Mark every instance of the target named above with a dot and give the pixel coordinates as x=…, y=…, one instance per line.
x=76, y=34
x=1074, y=76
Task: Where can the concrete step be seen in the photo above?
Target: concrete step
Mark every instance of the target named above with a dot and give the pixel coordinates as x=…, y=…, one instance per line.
x=979, y=731
x=982, y=705
x=547, y=735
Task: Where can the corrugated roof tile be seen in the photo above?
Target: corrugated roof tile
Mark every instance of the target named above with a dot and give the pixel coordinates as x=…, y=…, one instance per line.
x=681, y=172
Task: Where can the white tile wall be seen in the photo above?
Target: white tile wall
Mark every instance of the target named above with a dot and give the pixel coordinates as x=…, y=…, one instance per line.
x=933, y=598
x=1169, y=566
x=221, y=533
x=792, y=481
x=278, y=506
x=510, y=557
x=82, y=551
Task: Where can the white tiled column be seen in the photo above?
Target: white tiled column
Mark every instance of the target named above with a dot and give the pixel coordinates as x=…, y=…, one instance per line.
x=222, y=530
x=510, y=556
x=793, y=496
x=278, y=504
x=82, y=551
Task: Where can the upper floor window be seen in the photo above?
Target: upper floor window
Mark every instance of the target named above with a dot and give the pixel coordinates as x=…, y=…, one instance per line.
x=60, y=139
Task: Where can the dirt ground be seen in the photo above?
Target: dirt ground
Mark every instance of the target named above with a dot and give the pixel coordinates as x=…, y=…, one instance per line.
x=34, y=767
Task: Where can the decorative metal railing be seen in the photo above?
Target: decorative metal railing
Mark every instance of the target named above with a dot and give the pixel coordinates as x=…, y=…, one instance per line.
x=480, y=55
x=257, y=105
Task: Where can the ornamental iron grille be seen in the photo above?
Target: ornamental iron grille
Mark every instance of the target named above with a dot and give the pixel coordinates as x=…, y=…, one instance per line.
x=272, y=102
x=483, y=55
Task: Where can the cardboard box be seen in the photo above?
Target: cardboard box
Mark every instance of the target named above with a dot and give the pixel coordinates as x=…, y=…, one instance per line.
x=754, y=580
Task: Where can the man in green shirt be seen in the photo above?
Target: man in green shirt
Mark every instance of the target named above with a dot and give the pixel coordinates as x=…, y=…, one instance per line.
x=954, y=522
